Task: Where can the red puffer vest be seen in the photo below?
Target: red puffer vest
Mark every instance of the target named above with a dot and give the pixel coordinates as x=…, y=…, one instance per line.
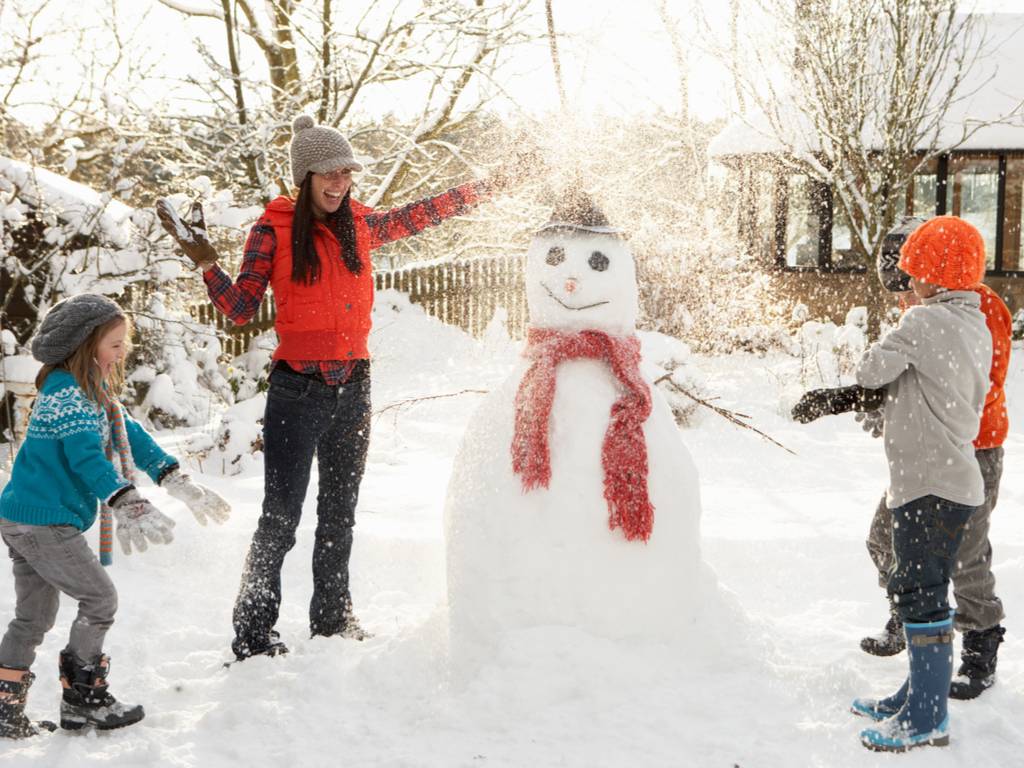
x=330, y=319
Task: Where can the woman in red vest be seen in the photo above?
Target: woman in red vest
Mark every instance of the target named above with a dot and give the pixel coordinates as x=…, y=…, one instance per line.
x=314, y=252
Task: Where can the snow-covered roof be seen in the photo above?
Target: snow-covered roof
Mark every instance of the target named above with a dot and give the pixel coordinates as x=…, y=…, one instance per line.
x=991, y=93
x=76, y=204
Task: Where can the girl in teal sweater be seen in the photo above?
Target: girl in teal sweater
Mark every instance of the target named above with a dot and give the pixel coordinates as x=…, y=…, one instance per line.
x=80, y=452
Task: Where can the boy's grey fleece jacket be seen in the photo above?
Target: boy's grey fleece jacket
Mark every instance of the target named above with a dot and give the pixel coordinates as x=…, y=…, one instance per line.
x=935, y=368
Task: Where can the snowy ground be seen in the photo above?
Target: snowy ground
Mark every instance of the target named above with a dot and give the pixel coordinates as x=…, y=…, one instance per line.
x=784, y=534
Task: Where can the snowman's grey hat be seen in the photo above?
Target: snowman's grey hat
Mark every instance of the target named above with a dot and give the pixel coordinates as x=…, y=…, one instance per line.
x=577, y=212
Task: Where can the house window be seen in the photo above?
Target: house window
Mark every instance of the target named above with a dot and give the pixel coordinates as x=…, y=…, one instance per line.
x=972, y=193
x=803, y=222
x=843, y=254
x=1013, y=215
x=813, y=232
x=923, y=192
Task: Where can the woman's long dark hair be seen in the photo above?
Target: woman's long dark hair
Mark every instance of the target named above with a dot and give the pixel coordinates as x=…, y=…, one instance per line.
x=305, y=263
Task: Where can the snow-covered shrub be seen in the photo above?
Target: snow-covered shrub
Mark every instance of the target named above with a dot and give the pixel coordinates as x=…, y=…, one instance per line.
x=828, y=352
x=670, y=366
x=237, y=445
x=758, y=339
x=247, y=374
x=1018, y=325
x=175, y=374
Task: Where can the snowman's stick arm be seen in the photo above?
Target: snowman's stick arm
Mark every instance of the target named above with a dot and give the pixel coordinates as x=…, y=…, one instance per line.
x=734, y=417
x=414, y=400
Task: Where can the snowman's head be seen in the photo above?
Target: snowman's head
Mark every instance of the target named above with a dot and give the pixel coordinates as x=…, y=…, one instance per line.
x=581, y=278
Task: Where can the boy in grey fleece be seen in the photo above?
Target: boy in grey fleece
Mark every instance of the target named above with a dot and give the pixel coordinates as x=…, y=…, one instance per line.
x=934, y=367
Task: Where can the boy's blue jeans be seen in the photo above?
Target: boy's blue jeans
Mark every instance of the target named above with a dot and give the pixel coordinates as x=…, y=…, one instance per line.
x=926, y=536
x=305, y=418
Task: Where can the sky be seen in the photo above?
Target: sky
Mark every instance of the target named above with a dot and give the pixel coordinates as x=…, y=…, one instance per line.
x=616, y=56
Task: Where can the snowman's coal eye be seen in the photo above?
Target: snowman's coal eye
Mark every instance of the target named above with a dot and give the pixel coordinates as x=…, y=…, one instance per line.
x=598, y=261
x=556, y=255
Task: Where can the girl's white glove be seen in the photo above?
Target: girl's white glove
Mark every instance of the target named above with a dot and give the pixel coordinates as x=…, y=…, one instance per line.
x=204, y=503
x=138, y=520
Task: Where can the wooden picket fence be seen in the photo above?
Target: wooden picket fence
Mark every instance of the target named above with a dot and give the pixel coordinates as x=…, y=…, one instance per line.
x=464, y=293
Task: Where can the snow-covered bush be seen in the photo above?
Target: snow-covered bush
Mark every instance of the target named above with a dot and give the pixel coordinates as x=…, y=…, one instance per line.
x=671, y=367
x=1018, y=325
x=175, y=375
x=247, y=373
x=829, y=353
x=237, y=445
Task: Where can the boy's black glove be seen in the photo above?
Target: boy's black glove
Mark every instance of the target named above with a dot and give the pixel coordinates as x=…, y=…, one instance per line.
x=829, y=402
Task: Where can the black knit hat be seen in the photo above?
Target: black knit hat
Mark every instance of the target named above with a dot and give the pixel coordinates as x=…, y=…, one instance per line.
x=893, y=278
x=69, y=323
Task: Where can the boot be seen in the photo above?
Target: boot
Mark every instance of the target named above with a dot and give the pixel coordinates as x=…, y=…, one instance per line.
x=880, y=709
x=86, y=698
x=923, y=718
x=978, y=670
x=270, y=645
x=353, y=629
x=14, y=685
x=350, y=628
x=889, y=642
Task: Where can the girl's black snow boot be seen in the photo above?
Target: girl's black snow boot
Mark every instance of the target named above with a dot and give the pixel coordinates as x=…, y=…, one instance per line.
x=978, y=670
x=14, y=685
x=86, y=698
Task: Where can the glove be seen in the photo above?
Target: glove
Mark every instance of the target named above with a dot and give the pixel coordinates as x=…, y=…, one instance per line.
x=191, y=237
x=204, y=503
x=138, y=520
x=829, y=402
x=871, y=421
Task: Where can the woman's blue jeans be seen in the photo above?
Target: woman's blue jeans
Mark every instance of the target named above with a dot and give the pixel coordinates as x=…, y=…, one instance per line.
x=306, y=417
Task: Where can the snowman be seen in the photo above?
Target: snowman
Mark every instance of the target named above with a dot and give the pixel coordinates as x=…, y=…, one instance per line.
x=572, y=500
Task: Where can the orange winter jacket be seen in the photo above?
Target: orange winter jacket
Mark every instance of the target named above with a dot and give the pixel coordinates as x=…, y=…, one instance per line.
x=994, y=421
x=330, y=319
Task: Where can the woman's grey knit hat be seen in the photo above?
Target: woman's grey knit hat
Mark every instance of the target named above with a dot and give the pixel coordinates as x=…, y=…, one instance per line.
x=319, y=149
x=69, y=323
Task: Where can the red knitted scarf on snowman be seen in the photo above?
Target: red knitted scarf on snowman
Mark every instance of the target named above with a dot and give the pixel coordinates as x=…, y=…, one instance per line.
x=624, y=452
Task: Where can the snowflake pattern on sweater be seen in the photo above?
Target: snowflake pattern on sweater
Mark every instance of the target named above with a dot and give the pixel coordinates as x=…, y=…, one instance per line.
x=67, y=412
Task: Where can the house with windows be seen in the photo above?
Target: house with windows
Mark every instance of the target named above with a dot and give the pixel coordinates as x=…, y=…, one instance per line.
x=788, y=220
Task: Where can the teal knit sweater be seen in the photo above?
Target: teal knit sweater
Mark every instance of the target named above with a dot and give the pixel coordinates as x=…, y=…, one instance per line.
x=62, y=471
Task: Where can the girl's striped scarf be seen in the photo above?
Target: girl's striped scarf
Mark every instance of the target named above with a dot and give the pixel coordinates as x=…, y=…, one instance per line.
x=118, y=443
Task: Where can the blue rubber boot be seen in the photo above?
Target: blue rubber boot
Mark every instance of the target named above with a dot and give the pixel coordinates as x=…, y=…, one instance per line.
x=923, y=718
x=880, y=709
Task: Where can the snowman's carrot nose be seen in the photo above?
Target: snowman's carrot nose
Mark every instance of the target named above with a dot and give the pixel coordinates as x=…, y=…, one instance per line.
x=571, y=285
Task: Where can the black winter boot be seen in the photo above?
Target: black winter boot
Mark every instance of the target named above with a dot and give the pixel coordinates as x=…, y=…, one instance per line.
x=978, y=670
x=269, y=645
x=86, y=699
x=889, y=642
x=14, y=685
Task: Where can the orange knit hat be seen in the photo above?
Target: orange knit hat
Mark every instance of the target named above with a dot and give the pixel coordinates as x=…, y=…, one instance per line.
x=946, y=251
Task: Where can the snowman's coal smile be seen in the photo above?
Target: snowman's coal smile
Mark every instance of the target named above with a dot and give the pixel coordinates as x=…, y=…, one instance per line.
x=577, y=309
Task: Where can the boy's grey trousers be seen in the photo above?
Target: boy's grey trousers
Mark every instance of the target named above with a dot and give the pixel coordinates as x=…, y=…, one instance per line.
x=977, y=606
x=48, y=560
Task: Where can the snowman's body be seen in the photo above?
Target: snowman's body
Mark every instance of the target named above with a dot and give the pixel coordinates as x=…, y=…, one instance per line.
x=547, y=556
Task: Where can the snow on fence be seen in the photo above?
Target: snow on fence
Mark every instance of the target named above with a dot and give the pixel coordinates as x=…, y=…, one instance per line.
x=463, y=293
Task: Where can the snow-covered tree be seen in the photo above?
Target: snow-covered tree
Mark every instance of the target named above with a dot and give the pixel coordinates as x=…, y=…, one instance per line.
x=859, y=94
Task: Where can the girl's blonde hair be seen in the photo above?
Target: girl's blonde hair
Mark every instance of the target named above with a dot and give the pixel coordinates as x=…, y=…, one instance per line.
x=82, y=364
